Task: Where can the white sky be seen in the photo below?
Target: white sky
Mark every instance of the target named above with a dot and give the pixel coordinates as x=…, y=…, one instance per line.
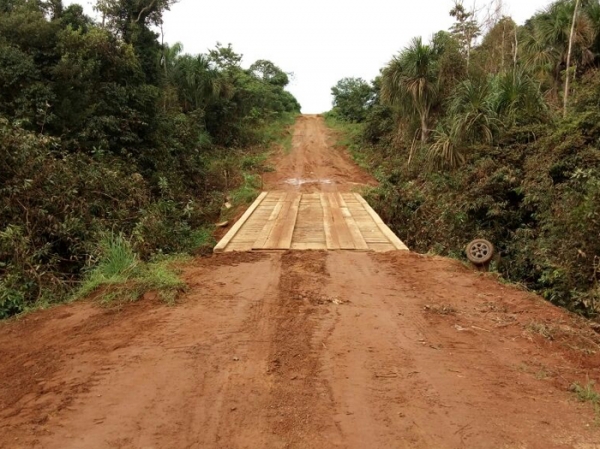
x=320, y=41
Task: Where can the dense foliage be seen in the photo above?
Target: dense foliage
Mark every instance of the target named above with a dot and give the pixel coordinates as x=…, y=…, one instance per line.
x=105, y=130
x=469, y=138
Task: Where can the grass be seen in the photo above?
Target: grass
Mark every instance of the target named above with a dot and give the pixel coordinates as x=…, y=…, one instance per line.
x=278, y=130
x=251, y=165
x=348, y=135
x=121, y=275
x=587, y=392
x=202, y=240
x=548, y=332
x=246, y=193
x=367, y=157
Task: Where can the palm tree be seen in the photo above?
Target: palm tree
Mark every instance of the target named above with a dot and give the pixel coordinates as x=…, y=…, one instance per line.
x=554, y=34
x=479, y=109
x=516, y=97
x=167, y=63
x=470, y=118
x=445, y=151
x=198, y=82
x=169, y=57
x=410, y=83
x=471, y=111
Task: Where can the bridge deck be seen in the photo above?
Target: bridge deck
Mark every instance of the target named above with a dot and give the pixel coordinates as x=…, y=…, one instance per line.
x=320, y=221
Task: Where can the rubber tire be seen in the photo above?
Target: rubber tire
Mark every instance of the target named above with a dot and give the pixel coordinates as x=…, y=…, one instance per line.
x=482, y=253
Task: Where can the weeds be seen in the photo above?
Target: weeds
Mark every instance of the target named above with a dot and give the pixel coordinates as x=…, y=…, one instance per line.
x=542, y=374
x=348, y=136
x=587, y=392
x=541, y=329
x=441, y=309
x=202, y=240
x=248, y=191
x=121, y=275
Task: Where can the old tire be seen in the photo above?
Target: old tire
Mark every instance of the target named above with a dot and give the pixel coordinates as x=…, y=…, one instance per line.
x=480, y=251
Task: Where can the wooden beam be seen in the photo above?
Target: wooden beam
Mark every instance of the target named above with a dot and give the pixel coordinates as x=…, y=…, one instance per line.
x=393, y=238
x=357, y=237
x=331, y=240
x=283, y=228
x=268, y=227
x=236, y=227
x=340, y=227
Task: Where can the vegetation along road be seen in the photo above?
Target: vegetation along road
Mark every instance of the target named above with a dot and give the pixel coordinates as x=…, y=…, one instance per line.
x=305, y=349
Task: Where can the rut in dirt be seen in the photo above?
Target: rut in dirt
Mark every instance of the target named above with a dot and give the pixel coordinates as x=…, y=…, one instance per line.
x=304, y=349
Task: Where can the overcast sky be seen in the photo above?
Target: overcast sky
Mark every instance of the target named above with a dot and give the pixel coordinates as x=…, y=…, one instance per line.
x=320, y=41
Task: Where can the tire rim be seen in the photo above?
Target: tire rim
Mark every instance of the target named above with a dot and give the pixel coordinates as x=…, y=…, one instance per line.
x=479, y=250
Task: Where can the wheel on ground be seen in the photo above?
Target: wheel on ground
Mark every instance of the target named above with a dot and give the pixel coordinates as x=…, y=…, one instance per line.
x=480, y=251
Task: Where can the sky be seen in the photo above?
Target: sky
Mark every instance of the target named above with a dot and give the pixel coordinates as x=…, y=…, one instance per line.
x=319, y=41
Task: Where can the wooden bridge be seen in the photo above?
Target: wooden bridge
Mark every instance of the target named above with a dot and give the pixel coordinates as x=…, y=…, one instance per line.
x=310, y=221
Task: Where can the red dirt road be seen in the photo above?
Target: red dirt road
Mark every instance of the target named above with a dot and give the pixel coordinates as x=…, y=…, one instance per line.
x=304, y=350
x=314, y=164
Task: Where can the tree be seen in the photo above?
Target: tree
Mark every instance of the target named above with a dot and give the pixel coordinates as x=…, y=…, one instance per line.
x=569, y=53
x=225, y=58
x=270, y=73
x=497, y=51
x=410, y=83
x=132, y=20
x=546, y=39
x=466, y=29
x=351, y=98
x=121, y=15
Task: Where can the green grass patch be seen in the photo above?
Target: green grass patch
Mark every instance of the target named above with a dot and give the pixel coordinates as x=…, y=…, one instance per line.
x=202, y=240
x=348, y=135
x=120, y=275
x=246, y=193
x=587, y=392
x=279, y=131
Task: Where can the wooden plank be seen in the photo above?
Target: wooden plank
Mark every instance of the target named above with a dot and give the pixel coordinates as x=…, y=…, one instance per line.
x=239, y=247
x=237, y=226
x=268, y=226
x=331, y=239
x=382, y=247
x=340, y=227
x=283, y=228
x=357, y=237
x=393, y=238
x=309, y=246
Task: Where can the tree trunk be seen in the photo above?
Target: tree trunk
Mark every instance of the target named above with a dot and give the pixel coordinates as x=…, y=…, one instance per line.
x=424, y=129
x=567, y=74
x=503, y=51
x=516, y=55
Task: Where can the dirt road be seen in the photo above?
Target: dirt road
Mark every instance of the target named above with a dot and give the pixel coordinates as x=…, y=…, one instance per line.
x=304, y=350
x=314, y=164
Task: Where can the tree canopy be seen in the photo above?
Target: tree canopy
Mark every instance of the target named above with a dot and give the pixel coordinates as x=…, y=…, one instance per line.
x=103, y=129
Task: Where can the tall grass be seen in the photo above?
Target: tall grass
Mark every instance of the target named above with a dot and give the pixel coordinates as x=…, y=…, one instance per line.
x=120, y=275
